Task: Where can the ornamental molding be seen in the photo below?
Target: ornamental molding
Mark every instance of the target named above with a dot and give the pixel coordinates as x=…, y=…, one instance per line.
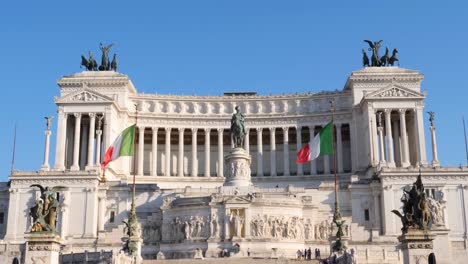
x=394, y=91
x=84, y=96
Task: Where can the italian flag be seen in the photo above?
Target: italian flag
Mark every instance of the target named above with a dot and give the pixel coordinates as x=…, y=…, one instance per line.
x=321, y=144
x=122, y=146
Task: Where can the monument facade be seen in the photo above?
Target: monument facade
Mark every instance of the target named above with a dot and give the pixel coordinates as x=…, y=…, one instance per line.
x=217, y=174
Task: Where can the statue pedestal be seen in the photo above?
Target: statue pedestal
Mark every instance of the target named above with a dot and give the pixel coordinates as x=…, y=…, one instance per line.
x=237, y=168
x=416, y=245
x=42, y=247
x=137, y=241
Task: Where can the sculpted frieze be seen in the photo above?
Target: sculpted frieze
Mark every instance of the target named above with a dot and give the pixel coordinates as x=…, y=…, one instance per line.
x=187, y=228
x=281, y=227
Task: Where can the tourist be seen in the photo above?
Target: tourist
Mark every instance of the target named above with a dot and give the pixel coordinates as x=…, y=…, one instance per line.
x=309, y=254
x=248, y=252
x=298, y=254
x=318, y=253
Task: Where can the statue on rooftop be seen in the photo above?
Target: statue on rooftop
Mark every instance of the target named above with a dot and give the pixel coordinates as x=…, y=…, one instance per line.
x=238, y=131
x=105, y=64
x=90, y=64
x=377, y=61
x=374, y=47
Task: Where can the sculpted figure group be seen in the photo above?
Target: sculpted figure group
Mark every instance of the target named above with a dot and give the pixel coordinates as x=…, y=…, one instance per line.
x=91, y=65
x=280, y=227
x=44, y=212
x=376, y=60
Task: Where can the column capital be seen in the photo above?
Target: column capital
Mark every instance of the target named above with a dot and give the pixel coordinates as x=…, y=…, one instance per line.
x=155, y=128
x=77, y=115
x=92, y=115
x=207, y=130
x=141, y=128
x=272, y=129
x=220, y=130
x=402, y=111
x=285, y=129
x=194, y=129
x=298, y=127
x=338, y=125
x=168, y=129
x=259, y=129
x=181, y=129
x=387, y=110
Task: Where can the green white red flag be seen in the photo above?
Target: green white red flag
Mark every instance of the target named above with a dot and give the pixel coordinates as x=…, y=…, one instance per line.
x=122, y=146
x=321, y=144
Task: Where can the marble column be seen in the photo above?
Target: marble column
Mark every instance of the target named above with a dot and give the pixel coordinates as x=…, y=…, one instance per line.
x=300, y=171
x=435, y=159
x=382, y=161
x=45, y=166
x=404, y=139
x=396, y=142
x=388, y=133
x=207, y=152
x=98, y=142
x=76, y=143
x=259, y=153
x=60, y=147
x=247, y=141
x=313, y=163
x=220, y=153
x=141, y=150
x=102, y=211
x=92, y=123
x=339, y=148
x=286, y=151
x=420, y=139
x=180, y=157
x=167, y=168
x=194, y=153
x=272, y=151
x=376, y=222
x=154, y=150
x=373, y=134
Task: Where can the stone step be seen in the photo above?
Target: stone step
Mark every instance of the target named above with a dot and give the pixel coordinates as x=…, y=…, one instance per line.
x=233, y=261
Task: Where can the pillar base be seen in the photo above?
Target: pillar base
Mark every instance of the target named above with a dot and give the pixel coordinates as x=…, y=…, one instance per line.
x=237, y=168
x=416, y=245
x=42, y=247
x=405, y=164
x=45, y=168
x=75, y=168
x=435, y=164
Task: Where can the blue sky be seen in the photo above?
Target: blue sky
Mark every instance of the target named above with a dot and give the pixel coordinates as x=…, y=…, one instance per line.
x=207, y=47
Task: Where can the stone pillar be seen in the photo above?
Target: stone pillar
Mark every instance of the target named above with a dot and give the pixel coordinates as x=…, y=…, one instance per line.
x=420, y=140
x=388, y=133
x=376, y=220
x=194, y=153
x=404, y=139
x=167, y=168
x=435, y=160
x=382, y=161
x=259, y=153
x=313, y=163
x=272, y=151
x=98, y=146
x=247, y=140
x=65, y=214
x=61, y=141
x=300, y=171
x=286, y=171
x=207, y=152
x=141, y=150
x=42, y=248
x=102, y=211
x=339, y=148
x=45, y=165
x=92, y=123
x=416, y=245
x=396, y=142
x=180, y=159
x=373, y=135
x=220, y=153
x=154, y=150
x=76, y=143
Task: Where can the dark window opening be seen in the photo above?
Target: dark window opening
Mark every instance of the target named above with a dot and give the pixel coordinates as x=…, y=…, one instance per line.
x=366, y=214
x=2, y=218
x=112, y=217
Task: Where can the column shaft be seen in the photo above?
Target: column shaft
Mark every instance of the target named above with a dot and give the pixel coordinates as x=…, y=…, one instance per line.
x=313, y=164
x=45, y=165
x=247, y=141
x=435, y=159
x=76, y=143
x=272, y=152
x=300, y=171
x=396, y=142
x=154, y=150
x=207, y=153
x=286, y=171
x=220, y=153
x=259, y=153
x=388, y=132
x=339, y=148
x=382, y=147
x=194, y=153
x=141, y=150
x=60, y=147
x=180, y=159
x=404, y=139
x=98, y=147
x=92, y=123
x=420, y=140
x=167, y=168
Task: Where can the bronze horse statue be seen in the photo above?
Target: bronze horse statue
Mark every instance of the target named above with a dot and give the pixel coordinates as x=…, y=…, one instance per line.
x=394, y=58
x=365, y=59
x=385, y=58
x=374, y=47
x=105, y=64
x=90, y=64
